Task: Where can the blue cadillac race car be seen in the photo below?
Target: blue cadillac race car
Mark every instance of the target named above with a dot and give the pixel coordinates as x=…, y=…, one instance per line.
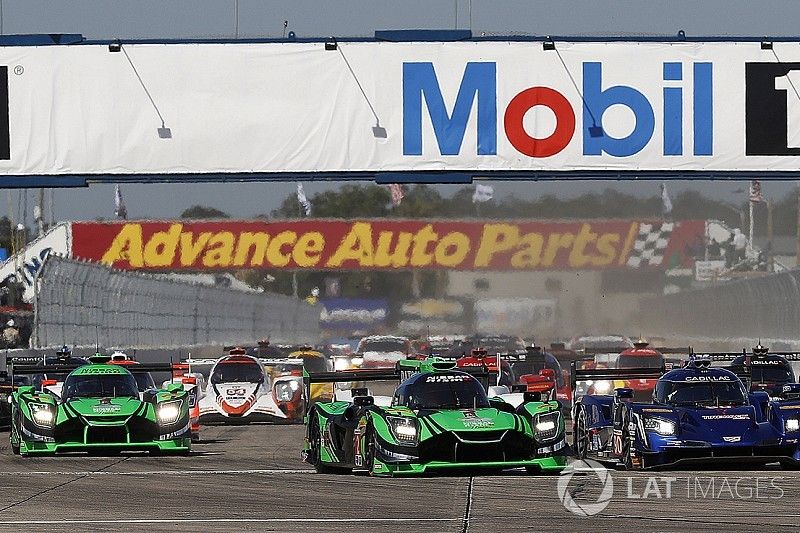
x=699, y=414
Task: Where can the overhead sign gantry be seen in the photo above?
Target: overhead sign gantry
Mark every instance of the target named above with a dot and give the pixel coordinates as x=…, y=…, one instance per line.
x=425, y=110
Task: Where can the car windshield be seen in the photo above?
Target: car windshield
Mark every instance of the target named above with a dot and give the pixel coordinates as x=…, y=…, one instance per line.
x=100, y=386
x=315, y=364
x=144, y=381
x=701, y=392
x=230, y=372
x=605, y=344
x=383, y=346
x=771, y=374
x=534, y=366
x=493, y=345
x=446, y=391
x=640, y=361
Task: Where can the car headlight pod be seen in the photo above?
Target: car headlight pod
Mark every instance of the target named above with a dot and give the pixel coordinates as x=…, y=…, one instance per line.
x=792, y=425
x=42, y=414
x=661, y=426
x=404, y=429
x=603, y=387
x=546, y=426
x=169, y=412
x=341, y=363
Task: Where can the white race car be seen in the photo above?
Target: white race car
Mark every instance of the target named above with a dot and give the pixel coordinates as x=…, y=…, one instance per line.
x=240, y=391
x=383, y=351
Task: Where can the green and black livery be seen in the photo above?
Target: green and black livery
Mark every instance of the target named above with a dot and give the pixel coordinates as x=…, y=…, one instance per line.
x=100, y=410
x=439, y=419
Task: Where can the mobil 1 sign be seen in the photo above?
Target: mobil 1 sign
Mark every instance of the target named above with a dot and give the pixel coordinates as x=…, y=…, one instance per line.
x=475, y=106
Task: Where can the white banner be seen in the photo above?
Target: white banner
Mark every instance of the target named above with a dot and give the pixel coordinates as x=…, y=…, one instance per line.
x=26, y=264
x=379, y=106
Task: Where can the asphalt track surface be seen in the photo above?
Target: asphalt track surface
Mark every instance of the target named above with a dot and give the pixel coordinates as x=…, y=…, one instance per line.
x=250, y=478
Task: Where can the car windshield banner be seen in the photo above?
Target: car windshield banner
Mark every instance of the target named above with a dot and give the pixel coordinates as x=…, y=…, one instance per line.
x=390, y=244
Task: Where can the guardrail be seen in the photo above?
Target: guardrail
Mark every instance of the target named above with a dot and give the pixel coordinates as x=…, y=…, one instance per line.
x=83, y=304
x=765, y=307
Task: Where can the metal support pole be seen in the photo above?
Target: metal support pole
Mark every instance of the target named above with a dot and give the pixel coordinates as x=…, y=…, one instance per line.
x=770, y=231
x=797, y=250
x=750, y=240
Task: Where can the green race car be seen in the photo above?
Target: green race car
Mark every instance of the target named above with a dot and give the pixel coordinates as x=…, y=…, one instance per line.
x=439, y=418
x=100, y=410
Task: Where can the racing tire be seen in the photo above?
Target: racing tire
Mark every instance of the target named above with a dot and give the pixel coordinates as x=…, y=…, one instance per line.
x=580, y=435
x=315, y=447
x=15, y=448
x=627, y=462
x=369, y=448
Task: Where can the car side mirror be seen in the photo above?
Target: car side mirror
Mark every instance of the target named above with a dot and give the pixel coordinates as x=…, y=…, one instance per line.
x=26, y=389
x=174, y=387
x=497, y=390
x=149, y=395
x=532, y=396
x=363, y=401
x=623, y=393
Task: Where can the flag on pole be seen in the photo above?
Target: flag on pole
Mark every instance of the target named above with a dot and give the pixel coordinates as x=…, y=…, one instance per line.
x=119, y=204
x=756, y=196
x=397, y=193
x=483, y=193
x=666, y=203
x=301, y=197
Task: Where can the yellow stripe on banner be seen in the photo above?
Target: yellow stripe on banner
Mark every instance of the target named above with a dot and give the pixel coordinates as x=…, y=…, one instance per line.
x=629, y=240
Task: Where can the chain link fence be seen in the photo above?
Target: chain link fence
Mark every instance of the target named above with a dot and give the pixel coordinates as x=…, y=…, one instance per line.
x=83, y=304
x=766, y=307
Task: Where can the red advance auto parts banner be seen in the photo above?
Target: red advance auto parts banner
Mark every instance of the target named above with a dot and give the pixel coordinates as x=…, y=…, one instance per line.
x=388, y=244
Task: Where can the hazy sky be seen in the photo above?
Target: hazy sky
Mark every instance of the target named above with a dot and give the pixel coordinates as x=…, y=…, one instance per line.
x=261, y=18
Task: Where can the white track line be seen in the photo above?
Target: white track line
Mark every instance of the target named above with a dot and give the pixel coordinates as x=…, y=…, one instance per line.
x=223, y=520
x=158, y=472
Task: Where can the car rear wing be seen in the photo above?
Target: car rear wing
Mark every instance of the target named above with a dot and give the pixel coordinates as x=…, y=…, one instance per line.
x=403, y=370
x=138, y=368
x=596, y=374
x=281, y=361
x=730, y=356
x=664, y=350
x=21, y=360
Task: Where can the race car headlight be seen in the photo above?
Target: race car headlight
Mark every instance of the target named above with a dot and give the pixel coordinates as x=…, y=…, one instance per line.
x=546, y=426
x=660, y=426
x=792, y=424
x=169, y=412
x=356, y=361
x=341, y=363
x=284, y=390
x=603, y=387
x=404, y=429
x=42, y=414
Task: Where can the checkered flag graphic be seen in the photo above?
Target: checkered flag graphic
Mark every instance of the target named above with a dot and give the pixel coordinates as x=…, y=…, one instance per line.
x=650, y=245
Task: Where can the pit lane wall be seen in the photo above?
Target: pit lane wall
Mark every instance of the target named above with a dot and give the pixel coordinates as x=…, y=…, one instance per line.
x=83, y=304
x=767, y=307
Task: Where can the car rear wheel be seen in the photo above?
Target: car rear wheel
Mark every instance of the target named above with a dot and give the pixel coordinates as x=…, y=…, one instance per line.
x=581, y=435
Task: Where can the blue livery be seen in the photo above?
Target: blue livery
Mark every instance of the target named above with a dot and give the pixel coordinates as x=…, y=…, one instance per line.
x=699, y=414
